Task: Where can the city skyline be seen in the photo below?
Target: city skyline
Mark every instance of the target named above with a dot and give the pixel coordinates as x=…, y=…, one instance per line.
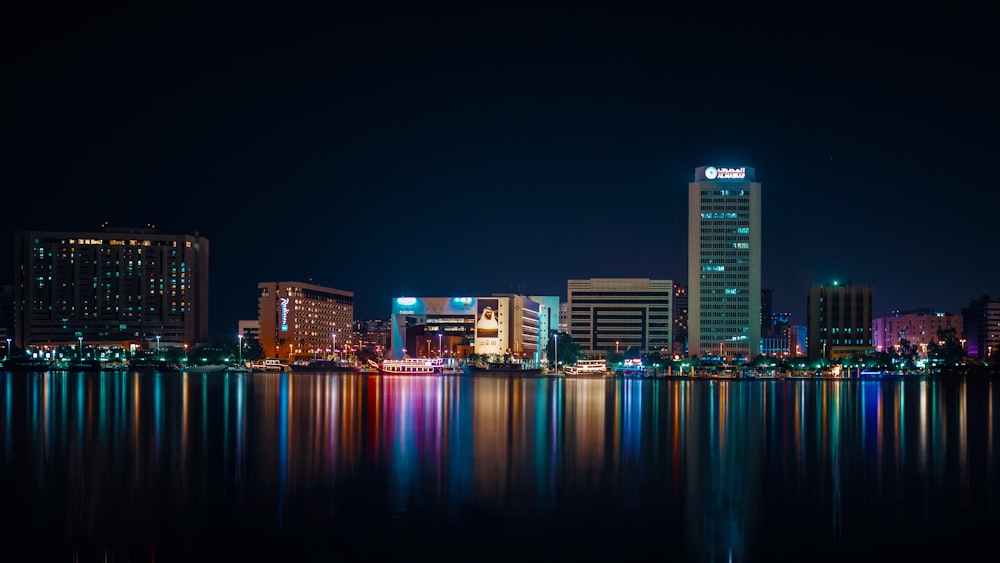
x=471, y=156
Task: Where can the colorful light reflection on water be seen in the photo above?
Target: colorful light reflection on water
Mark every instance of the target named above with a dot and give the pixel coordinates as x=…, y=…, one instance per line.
x=378, y=467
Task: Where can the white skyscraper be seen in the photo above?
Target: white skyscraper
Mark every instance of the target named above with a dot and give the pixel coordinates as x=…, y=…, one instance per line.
x=724, y=262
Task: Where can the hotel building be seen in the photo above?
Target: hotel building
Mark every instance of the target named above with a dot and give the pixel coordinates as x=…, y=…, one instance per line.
x=839, y=318
x=301, y=320
x=724, y=263
x=620, y=313
x=117, y=286
x=919, y=328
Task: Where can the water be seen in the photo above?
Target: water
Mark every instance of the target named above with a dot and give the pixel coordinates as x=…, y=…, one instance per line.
x=345, y=467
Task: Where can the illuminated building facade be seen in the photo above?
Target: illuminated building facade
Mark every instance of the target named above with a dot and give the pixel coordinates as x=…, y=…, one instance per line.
x=776, y=339
x=549, y=315
x=375, y=335
x=457, y=327
x=919, y=328
x=724, y=263
x=620, y=313
x=839, y=318
x=981, y=323
x=680, y=319
x=114, y=287
x=301, y=320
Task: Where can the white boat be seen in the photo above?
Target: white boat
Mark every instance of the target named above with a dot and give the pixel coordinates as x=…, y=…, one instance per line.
x=632, y=369
x=598, y=368
x=412, y=366
x=270, y=364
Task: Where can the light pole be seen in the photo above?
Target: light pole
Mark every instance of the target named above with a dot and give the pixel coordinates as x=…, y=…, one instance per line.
x=185, y=353
x=555, y=342
x=239, y=338
x=7, y=353
x=335, y=345
x=157, y=345
x=440, y=354
x=80, y=338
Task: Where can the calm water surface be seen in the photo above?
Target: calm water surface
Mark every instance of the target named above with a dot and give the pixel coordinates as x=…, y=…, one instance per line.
x=345, y=467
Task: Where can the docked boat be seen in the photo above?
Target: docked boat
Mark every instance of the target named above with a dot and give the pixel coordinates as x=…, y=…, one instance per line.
x=82, y=364
x=325, y=365
x=270, y=364
x=502, y=368
x=206, y=368
x=26, y=363
x=238, y=369
x=587, y=368
x=152, y=365
x=632, y=370
x=412, y=366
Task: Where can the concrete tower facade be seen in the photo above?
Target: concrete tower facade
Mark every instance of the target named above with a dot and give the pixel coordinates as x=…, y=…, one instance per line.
x=724, y=260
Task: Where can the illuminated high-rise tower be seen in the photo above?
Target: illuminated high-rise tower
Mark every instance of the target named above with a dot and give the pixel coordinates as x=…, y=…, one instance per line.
x=724, y=263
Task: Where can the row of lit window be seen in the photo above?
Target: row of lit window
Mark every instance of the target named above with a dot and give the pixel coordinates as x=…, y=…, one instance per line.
x=708, y=308
x=728, y=276
x=709, y=223
x=725, y=192
x=709, y=208
x=723, y=231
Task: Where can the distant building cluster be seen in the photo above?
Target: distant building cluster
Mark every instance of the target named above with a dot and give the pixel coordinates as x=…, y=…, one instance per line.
x=133, y=287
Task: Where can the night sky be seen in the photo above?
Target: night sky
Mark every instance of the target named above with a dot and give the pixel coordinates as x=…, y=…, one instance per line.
x=500, y=153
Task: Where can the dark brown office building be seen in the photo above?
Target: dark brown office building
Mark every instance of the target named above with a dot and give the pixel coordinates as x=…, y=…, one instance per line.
x=116, y=286
x=839, y=321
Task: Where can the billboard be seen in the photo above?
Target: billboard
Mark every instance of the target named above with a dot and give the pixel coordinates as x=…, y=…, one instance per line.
x=491, y=334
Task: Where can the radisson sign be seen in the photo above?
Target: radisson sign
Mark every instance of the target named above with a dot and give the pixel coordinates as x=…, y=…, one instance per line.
x=713, y=173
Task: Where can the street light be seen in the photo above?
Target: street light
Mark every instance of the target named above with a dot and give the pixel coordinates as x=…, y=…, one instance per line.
x=7, y=353
x=185, y=353
x=440, y=354
x=334, y=345
x=555, y=341
x=616, y=347
x=157, y=345
x=239, y=337
x=80, y=338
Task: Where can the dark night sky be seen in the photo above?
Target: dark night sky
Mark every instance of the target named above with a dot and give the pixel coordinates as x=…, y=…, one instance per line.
x=437, y=156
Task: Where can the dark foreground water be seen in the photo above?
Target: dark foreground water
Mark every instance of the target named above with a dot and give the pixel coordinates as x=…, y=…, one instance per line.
x=347, y=467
